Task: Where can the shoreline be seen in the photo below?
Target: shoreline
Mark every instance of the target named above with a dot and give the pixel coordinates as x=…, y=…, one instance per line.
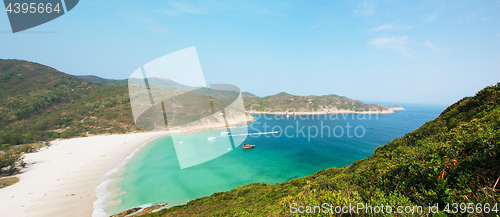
x=61, y=179
x=102, y=193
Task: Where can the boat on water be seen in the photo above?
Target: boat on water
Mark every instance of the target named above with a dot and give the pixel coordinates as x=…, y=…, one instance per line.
x=211, y=138
x=180, y=142
x=224, y=133
x=247, y=146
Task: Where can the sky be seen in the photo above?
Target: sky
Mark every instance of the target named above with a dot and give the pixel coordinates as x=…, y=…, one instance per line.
x=432, y=52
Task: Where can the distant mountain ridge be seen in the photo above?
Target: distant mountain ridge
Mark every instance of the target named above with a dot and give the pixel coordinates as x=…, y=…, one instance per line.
x=100, y=80
x=248, y=94
x=281, y=102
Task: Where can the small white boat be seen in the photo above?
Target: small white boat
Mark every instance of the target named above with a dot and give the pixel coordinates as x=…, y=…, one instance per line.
x=211, y=138
x=224, y=133
x=180, y=142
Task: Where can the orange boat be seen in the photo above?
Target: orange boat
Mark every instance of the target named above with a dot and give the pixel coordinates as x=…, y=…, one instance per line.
x=247, y=146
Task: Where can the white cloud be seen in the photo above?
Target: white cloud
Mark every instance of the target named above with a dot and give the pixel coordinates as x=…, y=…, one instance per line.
x=176, y=8
x=399, y=44
x=431, y=46
x=365, y=10
x=383, y=27
x=428, y=19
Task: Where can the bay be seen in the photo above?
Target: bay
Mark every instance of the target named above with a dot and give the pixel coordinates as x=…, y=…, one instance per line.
x=305, y=145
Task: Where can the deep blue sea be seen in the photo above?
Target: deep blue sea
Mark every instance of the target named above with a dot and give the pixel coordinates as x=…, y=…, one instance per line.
x=305, y=145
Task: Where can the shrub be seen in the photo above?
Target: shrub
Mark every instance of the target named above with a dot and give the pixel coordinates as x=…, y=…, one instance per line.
x=111, y=116
x=9, y=160
x=68, y=134
x=54, y=134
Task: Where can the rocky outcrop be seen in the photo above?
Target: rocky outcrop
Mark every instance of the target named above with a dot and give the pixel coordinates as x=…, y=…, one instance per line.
x=397, y=108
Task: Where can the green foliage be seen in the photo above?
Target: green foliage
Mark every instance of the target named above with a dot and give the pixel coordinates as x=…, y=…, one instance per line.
x=111, y=116
x=9, y=160
x=39, y=103
x=103, y=80
x=54, y=135
x=13, y=138
x=68, y=134
x=8, y=181
x=452, y=159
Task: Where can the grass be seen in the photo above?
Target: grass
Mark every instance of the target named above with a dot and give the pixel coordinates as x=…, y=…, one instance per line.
x=8, y=181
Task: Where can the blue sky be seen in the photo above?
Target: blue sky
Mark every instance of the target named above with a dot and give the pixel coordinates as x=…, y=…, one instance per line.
x=433, y=52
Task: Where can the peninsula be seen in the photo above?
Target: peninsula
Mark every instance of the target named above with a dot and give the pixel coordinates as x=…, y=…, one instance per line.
x=284, y=103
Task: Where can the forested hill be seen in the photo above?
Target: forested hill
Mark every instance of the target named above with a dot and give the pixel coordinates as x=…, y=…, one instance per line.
x=283, y=102
x=454, y=158
x=40, y=103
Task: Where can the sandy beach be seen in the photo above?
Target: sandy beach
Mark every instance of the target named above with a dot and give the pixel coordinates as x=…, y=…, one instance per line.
x=60, y=180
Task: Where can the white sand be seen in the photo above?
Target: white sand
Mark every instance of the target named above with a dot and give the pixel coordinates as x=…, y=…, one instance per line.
x=61, y=180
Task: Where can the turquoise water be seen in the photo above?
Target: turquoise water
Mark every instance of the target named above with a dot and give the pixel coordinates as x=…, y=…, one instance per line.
x=153, y=175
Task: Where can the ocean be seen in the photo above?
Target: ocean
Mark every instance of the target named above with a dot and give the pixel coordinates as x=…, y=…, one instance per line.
x=305, y=145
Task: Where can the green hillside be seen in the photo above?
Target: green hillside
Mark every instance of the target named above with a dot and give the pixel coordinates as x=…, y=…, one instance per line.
x=157, y=82
x=282, y=102
x=454, y=158
x=40, y=103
